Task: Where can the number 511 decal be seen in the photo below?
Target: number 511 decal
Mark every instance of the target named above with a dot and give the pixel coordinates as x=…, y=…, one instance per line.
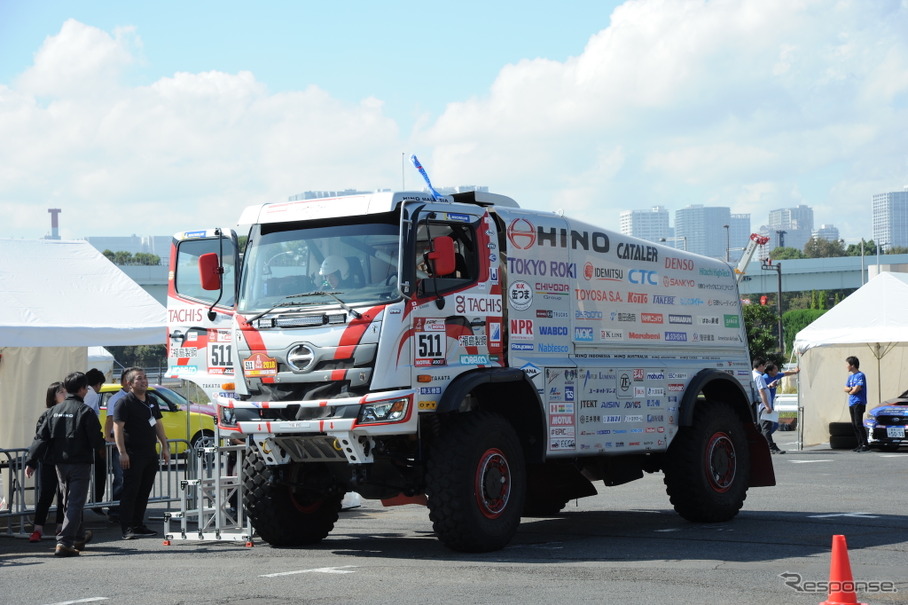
x=430, y=348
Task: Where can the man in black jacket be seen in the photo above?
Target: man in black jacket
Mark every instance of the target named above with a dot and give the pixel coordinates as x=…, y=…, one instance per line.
x=72, y=434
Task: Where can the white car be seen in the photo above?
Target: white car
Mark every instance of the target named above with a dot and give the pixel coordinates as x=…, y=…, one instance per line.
x=784, y=403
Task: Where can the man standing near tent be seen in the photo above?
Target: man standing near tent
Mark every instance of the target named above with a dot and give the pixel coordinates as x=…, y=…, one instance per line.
x=764, y=405
x=95, y=378
x=856, y=387
x=137, y=428
x=72, y=433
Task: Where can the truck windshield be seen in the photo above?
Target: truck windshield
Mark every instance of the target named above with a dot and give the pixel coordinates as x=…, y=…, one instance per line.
x=354, y=262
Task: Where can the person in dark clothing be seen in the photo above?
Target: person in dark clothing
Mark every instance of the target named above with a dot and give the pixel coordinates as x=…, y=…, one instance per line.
x=46, y=479
x=137, y=428
x=71, y=433
x=116, y=484
x=96, y=379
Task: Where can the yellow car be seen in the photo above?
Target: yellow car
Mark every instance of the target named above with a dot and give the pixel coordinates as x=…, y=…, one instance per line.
x=199, y=432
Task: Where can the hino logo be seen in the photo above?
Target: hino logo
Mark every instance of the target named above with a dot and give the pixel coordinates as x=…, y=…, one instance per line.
x=300, y=358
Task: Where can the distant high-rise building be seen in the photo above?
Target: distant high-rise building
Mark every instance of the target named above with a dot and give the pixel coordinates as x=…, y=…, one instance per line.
x=314, y=195
x=703, y=229
x=890, y=218
x=827, y=232
x=649, y=224
x=738, y=236
x=797, y=223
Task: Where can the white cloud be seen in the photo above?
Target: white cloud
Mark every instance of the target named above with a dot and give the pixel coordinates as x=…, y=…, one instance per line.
x=185, y=151
x=754, y=104
x=709, y=102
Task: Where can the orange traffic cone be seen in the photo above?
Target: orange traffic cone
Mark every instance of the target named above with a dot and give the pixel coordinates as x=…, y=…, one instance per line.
x=841, y=583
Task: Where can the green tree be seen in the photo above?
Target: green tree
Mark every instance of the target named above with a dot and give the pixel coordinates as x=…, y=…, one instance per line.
x=760, y=322
x=146, y=258
x=143, y=356
x=869, y=248
x=795, y=321
x=785, y=253
x=823, y=248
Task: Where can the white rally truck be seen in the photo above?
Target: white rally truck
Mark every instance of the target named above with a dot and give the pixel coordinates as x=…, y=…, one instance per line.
x=488, y=361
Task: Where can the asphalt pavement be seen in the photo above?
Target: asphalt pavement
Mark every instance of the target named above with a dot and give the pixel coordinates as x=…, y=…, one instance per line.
x=624, y=545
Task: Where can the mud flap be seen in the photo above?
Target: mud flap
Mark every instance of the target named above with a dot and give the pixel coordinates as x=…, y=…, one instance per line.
x=561, y=480
x=761, y=471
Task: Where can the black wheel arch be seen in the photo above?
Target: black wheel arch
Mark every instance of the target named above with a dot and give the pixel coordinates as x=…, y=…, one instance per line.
x=718, y=385
x=506, y=391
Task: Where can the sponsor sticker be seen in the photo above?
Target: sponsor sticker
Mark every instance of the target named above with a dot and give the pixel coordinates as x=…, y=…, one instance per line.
x=258, y=365
x=520, y=295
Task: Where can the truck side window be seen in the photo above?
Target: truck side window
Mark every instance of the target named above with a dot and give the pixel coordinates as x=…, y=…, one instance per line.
x=466, y=262
x=186, y=279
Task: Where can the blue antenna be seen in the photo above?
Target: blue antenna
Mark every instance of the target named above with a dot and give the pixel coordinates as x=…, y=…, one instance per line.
x=438, y=197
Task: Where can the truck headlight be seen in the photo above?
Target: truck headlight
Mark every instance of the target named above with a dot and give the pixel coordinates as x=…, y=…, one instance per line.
x=392, y=410
x=226, y=416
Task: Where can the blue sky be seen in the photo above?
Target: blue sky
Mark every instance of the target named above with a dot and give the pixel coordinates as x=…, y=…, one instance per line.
x=150, y=118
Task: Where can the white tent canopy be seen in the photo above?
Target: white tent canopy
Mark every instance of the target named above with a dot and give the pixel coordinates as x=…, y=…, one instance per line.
x=101, y=358
x=66, y=294
x=57, y=299
x=870, y=324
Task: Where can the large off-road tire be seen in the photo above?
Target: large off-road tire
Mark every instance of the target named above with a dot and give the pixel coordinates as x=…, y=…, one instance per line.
x=708, y=464
x=281, y=516
x=476, y=482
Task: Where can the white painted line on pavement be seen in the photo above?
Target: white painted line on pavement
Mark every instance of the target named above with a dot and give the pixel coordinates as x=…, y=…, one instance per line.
x=852, y=515
x=341, y=569
x=89, y=600
x=809, y=461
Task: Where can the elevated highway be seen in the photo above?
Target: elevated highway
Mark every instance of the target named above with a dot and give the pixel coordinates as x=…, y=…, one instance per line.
x=838, y=273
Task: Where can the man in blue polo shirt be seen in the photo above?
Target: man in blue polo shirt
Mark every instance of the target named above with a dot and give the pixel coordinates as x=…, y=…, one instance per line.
x=856, y=387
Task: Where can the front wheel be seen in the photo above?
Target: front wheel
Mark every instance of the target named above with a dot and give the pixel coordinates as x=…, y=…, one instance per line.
x=708, y=465
x=203, y=438
x=285, y=515
x=476, y=482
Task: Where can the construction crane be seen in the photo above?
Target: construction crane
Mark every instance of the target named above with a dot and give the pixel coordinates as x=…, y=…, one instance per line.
x=756, y=241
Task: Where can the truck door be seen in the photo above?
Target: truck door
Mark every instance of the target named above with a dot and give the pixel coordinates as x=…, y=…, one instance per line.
x=456, y=318
x=199, y=321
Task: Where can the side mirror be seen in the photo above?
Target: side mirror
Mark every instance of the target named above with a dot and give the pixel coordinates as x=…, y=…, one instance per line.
x=442, y=256
x=210, y=271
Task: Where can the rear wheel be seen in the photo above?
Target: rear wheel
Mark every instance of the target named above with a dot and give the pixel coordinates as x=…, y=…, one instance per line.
x=476, y=482
x=708, y=464
x=285, y=516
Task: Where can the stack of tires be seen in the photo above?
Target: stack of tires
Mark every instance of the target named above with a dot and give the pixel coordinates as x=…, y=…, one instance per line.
x=841, y=436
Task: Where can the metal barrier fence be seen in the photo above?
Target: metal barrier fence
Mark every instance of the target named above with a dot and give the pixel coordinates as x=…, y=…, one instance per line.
x=18, y=493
